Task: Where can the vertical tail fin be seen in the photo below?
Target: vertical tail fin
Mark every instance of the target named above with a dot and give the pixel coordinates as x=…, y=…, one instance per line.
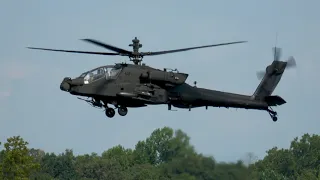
x=272, y=76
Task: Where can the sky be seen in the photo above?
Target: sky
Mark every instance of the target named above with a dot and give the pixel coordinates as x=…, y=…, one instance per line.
x=33, y=106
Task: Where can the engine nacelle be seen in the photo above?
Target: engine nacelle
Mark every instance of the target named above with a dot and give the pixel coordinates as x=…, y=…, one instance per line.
x=165, y=77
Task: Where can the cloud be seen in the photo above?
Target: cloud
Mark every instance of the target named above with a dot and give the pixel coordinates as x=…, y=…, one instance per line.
x=10, y=71
x=14, y=70
x=4, y=94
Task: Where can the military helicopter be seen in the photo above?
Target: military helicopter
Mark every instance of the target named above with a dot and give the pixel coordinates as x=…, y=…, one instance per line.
x=137, y=85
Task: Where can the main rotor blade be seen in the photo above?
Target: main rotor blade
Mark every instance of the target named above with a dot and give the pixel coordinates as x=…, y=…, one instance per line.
x=107, y=46
x=83, y=52
x=186, y=49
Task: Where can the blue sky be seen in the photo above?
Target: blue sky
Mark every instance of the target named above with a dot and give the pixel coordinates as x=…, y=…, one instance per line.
x=33, y=106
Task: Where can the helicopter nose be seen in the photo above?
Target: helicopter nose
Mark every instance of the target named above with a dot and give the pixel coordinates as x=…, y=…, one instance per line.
x=65, y=84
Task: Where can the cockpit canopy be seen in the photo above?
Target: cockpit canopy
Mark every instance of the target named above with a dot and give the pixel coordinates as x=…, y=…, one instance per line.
x=109, y=72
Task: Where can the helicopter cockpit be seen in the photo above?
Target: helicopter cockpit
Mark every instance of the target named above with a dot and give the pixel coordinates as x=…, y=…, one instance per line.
x=109, y=72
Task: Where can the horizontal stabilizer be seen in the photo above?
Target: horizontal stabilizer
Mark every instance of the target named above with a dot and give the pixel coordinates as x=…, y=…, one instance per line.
x=274, y=100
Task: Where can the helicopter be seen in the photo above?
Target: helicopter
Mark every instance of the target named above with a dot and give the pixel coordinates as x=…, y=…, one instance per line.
x=124, y=85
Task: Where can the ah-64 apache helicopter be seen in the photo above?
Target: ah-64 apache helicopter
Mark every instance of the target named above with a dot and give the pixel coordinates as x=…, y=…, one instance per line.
x=137, y=85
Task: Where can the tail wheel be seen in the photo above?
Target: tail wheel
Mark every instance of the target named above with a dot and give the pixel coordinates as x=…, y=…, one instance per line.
x=274, y=118
x=273, y=114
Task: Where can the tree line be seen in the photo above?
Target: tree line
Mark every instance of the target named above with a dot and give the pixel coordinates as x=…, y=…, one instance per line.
x=165, y=155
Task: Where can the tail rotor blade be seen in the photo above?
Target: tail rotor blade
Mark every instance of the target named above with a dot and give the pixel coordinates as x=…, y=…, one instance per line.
x=291, y=63
x=260, y=74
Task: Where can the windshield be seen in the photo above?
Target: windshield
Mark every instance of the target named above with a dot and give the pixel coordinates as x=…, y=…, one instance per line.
x=108, y=72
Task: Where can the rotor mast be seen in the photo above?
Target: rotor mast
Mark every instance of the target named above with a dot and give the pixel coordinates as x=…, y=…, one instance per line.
x=136, y=58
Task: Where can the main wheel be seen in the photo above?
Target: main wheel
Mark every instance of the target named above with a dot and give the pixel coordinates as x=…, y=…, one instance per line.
x=110, y=112
x=122, y=111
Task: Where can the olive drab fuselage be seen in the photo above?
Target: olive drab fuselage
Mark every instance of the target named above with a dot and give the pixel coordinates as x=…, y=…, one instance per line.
x=137, y=85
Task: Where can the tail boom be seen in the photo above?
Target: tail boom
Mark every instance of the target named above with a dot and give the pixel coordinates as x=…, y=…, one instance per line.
x=269, y=82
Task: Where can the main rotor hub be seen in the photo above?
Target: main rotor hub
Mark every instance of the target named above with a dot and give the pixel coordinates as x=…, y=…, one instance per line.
x=136, y=57
x=136, y=45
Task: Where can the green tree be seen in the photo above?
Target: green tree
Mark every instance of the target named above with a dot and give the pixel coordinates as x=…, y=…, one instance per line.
x=270, y=174
x=37, y=154
x=308, y=174
x=121, y=155
x=1, y=159
x=156, y=148
x=306, y=154
x=61, y=166
x=17, y=163
x=165, y=155
x=193, y=166
x=279, y=161
x=234, y=171
x=89, y=166
x=142, y=172
x=96, y=167
x=300, y=161
x=49, y=164
x=162, y=146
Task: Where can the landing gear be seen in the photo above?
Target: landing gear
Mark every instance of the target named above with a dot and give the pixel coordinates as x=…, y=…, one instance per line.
x=110, y=112
x=122, y=111
x=273, y=114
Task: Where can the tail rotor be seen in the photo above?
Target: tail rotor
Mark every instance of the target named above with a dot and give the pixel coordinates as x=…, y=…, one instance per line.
x=291, y=63
x=277, y=52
